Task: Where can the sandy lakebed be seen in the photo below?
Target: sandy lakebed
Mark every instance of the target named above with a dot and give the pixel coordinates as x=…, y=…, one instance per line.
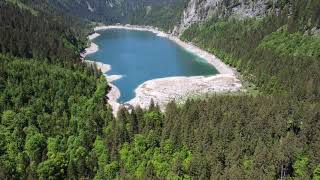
x=164, y=90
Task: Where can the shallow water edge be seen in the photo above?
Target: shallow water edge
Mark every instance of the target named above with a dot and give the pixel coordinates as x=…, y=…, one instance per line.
x=163, y=90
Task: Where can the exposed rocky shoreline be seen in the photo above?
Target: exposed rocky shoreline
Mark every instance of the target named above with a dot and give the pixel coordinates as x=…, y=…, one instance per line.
x=114, y=93
x=164, y=90
x=210, y=58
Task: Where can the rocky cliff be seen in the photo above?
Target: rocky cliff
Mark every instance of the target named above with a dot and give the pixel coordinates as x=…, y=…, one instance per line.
x=201, y=10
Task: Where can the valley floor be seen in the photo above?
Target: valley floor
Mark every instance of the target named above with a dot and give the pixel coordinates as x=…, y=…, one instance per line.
x=164, y=90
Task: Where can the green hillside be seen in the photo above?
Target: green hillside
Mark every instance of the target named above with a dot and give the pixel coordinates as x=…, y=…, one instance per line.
x=55, y=121
x=163, y=14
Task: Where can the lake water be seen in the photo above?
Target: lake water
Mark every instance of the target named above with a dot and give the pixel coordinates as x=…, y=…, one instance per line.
x=140, y=56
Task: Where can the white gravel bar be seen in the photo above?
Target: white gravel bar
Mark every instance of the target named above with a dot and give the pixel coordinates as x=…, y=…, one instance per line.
x=164, y=90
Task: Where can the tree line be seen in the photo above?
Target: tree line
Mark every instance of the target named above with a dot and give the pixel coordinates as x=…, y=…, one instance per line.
x=278, y=53
x=55, y=122
x=40, y=35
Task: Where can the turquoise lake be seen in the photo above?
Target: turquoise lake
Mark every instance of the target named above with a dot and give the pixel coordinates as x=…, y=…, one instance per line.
x=141, y=56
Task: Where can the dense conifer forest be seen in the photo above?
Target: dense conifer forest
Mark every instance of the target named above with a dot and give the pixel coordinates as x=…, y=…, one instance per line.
x=164, y=14
x=278, y=53
x=55, y=122
x=25, y=32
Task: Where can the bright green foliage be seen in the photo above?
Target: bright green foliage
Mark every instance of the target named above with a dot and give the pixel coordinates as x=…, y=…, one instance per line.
x=55, y=123
x=8, y=118
x=296, y=44
x=153, y=120
x=301, y=167
x=54, y=167
x=316, y=173
x=35, y=143
x=99, y=152
x=248, y=164
x=48, y=128
x=142, y=154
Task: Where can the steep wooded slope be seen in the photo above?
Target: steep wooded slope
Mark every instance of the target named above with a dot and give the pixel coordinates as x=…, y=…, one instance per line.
x=198, y=11
x=278, y=51
x=164, y=14
x=55, y=123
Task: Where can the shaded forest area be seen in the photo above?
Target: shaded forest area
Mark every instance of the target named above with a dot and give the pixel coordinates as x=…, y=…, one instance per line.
x=164, y=14
x=26, y=34
x=55, y=122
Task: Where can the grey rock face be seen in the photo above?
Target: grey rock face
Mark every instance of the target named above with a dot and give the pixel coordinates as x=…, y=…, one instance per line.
x=315, y=31
x=201, y=10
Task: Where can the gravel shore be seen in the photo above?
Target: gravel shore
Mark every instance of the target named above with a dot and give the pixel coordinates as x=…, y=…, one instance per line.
x=164, y=90
x=114, y=93
x=210, y=58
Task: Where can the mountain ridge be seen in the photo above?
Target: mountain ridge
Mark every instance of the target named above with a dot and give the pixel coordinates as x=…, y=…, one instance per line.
x=55, y=121
x=198, y=11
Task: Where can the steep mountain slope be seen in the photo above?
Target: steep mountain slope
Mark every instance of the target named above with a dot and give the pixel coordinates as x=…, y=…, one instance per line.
x=268, y=49
x=164, y=14
x=26, y=31
x=203, y=10
x=42, y=84
x=54, y=122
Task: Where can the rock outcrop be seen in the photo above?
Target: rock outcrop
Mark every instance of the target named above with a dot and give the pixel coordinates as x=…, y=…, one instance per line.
x=202, y=10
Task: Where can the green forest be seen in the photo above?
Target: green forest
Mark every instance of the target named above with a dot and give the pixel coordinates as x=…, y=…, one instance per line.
x=164, y=14
x=55, y=121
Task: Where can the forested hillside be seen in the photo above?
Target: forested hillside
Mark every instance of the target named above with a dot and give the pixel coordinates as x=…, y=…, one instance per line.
x=55, y=122
x=279, y=53
x=26, y=32
x=163, y=14
x=45, y=91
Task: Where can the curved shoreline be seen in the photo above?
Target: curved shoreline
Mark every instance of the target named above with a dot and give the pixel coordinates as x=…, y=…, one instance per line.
x=93, y=48
x=163, y=90
x=114, y=93
x=210, y=58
